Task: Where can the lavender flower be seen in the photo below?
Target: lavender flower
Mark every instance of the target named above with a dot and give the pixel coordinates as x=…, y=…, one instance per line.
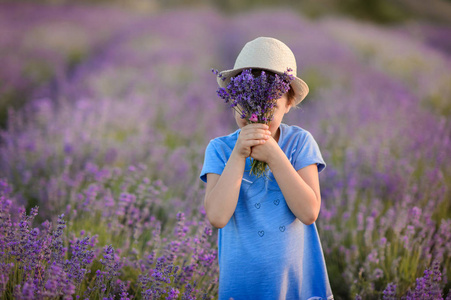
x=57, y=243
x=254, y=97
x=390, y=292
x=81, y=259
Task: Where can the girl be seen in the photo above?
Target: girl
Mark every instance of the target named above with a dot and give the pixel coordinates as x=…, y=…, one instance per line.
x=268, y=243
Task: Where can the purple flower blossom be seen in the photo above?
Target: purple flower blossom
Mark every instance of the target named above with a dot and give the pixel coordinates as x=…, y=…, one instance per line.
x=428, y=286
x=390, y=292
x=255, y=97
x=173, y=294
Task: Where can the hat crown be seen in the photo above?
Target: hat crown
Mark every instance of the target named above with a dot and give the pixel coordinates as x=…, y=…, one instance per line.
x=269, y=54
x=266, y=53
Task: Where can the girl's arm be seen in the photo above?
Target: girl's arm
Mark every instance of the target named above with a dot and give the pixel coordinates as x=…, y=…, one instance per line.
x=221, y=196
x=223, y=190
x=300, y=189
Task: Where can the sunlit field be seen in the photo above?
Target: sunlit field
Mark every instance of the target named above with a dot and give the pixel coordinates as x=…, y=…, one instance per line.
x=100, y=195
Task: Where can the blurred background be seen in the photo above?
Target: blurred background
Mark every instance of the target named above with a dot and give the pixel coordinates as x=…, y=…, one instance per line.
x=106, y=108
x=428, y=21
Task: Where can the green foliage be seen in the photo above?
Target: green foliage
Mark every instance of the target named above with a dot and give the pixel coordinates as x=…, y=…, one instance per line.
x=380, y=11
x=38, y=71
x=11, y=99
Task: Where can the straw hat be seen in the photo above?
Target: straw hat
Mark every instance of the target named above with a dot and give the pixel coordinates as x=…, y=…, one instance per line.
x=268, y=54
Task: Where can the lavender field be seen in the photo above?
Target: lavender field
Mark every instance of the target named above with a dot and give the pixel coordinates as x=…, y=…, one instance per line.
x=100, y=196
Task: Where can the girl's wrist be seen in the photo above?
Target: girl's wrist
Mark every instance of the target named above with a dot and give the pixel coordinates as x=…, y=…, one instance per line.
x=275, y=157
x=236, y=155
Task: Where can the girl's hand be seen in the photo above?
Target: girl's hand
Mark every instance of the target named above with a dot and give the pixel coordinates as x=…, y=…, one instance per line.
x=265, y=152
x=251, y=135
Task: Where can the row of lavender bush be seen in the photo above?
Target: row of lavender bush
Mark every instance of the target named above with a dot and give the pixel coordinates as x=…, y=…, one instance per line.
x=41, y=45
x=119, y=150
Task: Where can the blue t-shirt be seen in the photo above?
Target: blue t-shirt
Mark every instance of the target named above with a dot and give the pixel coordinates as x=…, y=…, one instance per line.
x=265, y=252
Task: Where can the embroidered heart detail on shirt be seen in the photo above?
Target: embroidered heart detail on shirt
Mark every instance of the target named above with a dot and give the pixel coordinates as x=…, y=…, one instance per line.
x=276, y=202
x=282, y=228
x=261, y=233
x=257, y=205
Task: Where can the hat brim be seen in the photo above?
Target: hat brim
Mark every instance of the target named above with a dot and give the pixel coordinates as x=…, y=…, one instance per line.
x=298, y=85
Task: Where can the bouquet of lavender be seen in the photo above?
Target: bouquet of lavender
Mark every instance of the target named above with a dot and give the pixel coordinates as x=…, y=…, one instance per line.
x=254, y=97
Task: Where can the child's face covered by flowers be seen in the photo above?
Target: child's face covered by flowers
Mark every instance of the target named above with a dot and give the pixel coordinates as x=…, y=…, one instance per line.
x=280, y=110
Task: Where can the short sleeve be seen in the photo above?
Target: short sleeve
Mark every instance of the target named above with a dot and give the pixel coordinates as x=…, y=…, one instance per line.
x=307, y=153
x=214, y=162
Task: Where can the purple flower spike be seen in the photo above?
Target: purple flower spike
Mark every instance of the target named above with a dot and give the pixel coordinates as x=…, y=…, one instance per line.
x=256, y=96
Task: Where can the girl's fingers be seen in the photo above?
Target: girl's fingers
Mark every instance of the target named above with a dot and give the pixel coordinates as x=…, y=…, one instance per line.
x=256, y=136
x=251, y=143
x=256, y=133
x=250, y=129
x=253, y=135
x=255, y=126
